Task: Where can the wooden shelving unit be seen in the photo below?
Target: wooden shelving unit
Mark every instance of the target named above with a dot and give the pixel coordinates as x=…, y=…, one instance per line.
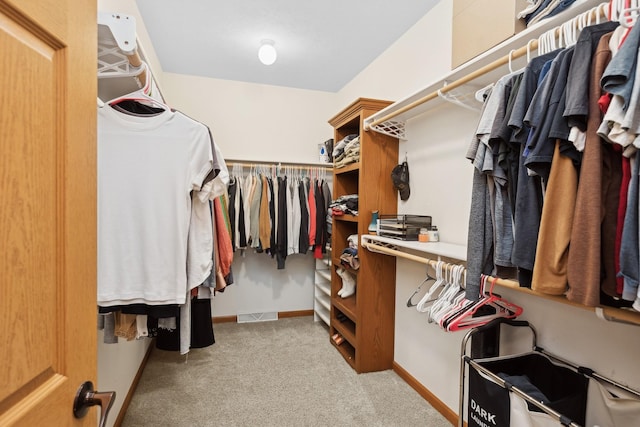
x=365, y=320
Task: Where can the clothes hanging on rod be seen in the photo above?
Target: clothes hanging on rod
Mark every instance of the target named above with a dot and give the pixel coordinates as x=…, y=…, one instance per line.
x=569, y=182
x=279, y=210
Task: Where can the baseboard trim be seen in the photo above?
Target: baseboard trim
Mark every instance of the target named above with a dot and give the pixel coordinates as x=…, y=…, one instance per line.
x=225, y=319
x=437, y=404
x=298, y=313
x=134, y=385
x=281, y=315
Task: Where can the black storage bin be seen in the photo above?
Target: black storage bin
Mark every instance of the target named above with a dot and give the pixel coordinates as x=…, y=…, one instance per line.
x=489, y=403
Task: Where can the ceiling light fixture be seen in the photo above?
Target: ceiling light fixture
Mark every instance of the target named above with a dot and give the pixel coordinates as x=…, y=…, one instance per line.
x=267, y=52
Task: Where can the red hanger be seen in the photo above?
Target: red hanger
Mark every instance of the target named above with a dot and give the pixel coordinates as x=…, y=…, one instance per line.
x=464, y=319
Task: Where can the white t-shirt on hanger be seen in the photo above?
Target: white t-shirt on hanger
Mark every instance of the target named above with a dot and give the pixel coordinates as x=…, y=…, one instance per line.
x=147, y=167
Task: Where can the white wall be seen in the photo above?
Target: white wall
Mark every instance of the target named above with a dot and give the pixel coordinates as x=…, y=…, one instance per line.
x=253, y=121
x=260, y=288
x=409, y=64
x=441, y=187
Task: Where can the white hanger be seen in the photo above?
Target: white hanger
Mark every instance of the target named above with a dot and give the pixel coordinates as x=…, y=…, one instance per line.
x=424, y=305
x=629, y=15
x=141, y=95
x=510, y=59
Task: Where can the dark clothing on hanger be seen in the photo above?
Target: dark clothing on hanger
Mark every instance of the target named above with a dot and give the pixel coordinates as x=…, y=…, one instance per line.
x=577, y=99
x=326, y=192
x=528, y=206
x=272, y=215
x=231, y=209
x=201, y=328
x=282, y=240
x=304, y=218
x=321, y=221
x=540, y=146
x=158, y=311
x=241, y=224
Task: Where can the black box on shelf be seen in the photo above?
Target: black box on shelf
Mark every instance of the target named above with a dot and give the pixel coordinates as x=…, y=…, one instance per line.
x=403, y=227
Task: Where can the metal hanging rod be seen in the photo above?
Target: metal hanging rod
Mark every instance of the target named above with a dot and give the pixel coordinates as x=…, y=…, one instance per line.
x=610, y=314
x=297, y=166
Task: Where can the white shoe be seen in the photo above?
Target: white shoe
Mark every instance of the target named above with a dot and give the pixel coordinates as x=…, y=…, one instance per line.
x=340, y=272
x=348, y=284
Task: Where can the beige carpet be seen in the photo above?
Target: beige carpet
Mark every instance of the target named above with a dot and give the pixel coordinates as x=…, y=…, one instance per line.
x=278, y=373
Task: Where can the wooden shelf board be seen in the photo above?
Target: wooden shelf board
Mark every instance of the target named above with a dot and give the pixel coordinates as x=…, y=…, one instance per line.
x=347, y=306
x=347, y=329
x=348, y=352
x=346, y=169
x=346, y=218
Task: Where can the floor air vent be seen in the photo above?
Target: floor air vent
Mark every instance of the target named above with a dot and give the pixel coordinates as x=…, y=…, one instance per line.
x=257, y=317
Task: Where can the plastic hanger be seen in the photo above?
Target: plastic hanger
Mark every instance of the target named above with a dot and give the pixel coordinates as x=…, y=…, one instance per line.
x=410, y=302
x=448, y=296
x=501, y=308
x=429, y=297
x=629, y=15
x=141, y=96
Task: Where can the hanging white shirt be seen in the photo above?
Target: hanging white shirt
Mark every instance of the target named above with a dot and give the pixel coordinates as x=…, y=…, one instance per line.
x=147, y=167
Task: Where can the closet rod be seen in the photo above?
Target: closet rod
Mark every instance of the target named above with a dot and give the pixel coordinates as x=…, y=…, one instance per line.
x=394, y=252
x=301, y=166
x=610, y=314
x=596, y=12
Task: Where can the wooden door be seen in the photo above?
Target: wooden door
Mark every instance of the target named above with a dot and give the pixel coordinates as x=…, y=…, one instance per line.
x=47, y=209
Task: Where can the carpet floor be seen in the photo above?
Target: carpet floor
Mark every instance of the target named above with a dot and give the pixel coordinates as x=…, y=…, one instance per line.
x=277, y=373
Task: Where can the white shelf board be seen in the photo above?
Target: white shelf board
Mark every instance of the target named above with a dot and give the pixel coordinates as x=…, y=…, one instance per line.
x=324, y=287
x=501, y=50
x=324, y=301
x=322, y=313
x=449, y=250
x=325, y=274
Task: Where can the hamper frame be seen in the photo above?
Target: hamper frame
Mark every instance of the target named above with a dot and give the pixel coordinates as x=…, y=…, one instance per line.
x=467, y=360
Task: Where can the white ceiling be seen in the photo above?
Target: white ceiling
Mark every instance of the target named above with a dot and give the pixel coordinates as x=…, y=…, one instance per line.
x=321, y=44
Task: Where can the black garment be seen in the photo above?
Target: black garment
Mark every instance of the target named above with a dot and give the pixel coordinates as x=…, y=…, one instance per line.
x=326, y=192
x=282, y=240
x=201, y=324
x=201, y=328
x=303, y=241
x=272, y=215
x=231, y=209
x=158, y=311
x=136, y=108
x=241, y=225
x=321, y=216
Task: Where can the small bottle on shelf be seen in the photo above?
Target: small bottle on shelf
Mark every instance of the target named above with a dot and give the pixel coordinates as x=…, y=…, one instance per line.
x=434, y=235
